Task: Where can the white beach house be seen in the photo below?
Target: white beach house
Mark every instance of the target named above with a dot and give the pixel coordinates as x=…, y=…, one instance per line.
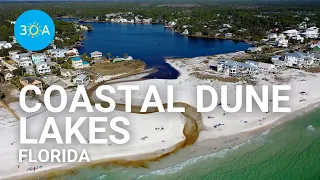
x=14, y=54
x=73, y=52
x=298, y=60
x=272, y=36
x=96, y=54
x=265, y=67
x=5, y=45
x=291, y=33
x=311, y=33
x=231, y=67
x=43, y=68
x=81, y=80
x=58, y=53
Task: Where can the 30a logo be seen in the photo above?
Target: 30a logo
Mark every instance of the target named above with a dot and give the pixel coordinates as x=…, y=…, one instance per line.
x=34, y=30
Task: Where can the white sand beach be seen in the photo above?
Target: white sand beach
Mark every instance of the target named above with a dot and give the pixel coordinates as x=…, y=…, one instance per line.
x=216, y=124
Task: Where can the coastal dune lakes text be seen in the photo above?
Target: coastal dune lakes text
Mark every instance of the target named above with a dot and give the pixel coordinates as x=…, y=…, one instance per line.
x=151, y=99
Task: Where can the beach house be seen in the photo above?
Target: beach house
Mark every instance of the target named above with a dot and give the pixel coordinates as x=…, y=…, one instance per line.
x=58, y=53
x=22, y=62
x=81, y=80
x=231, y=67
x=38, y=58
x=265, y=67
x=73, y=52
x=254, y=49
x=85, y=64
x=276, y=58
x=14, y=54
x=5, y=45
x=23, y=56
x=30, y=71
x=96, y=54
x=279, y=64
x=185, y=32
x=65, y=72
x=31, y=81
x=291, y=33
x=272, y=36
x=43, y=68
x=228, y=35
x=77, y=62
x=311, y=33
x=298, y=60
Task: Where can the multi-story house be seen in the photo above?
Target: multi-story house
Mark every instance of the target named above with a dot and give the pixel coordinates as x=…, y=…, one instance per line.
x=43, y=68
x=38, y=58
x=77, y=63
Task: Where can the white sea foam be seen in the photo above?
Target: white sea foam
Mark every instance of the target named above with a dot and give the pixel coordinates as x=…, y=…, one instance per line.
x=178, y=167
x=266, y=132
x=310, y=128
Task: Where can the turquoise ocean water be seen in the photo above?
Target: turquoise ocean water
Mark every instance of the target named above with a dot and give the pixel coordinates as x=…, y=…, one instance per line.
x=288, y=151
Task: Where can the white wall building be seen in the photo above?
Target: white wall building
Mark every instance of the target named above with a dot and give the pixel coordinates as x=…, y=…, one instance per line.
x=96, y=54
x=81, y=80
x=5, y=45
x=77, y=63
x=291, y=33
x=43, y=68
x=58, y=53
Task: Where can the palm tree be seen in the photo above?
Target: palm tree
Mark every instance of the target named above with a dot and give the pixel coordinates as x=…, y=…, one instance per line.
x=109, y=55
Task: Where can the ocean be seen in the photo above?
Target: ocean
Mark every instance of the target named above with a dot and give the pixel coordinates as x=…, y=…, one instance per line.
x=287, y=151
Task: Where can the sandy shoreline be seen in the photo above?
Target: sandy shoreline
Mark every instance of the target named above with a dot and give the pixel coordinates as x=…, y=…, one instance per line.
x=233, y=133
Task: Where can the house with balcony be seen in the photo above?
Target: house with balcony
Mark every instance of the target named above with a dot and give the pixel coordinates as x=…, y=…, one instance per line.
x=299, y=60
x=96, y=54
x=81, y=80
x=311, y=33
x=272, y=36
x=30, y=71
x=73, y=52
x=14, y=54
x=25, y=81
x=38, y=58
x=43, y=68
x=5, y=45
x=266, y=67
x=291, y=33
x=77, y=63
x=24, y=62
x=58, y=53
x=234, y=68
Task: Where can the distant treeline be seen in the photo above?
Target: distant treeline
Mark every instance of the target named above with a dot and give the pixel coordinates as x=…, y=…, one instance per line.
x=202, y=17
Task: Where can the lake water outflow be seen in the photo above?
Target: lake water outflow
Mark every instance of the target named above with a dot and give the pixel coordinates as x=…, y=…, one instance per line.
x=152, y=44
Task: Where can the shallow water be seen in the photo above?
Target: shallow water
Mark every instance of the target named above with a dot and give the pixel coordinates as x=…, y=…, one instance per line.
x=288, y=151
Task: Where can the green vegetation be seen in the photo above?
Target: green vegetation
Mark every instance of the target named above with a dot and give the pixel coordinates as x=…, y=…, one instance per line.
x=121, y=67
x=248, y=20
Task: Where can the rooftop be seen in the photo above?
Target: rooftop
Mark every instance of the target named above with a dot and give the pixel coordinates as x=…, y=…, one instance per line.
x=76, y=59
x=81, y=77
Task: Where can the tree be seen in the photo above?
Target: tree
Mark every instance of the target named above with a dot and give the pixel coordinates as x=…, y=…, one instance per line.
x=125, y=55
x=19, y=71
x=109, y=55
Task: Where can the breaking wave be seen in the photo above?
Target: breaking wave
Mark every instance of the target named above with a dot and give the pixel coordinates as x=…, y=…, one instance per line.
x=178, y=167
